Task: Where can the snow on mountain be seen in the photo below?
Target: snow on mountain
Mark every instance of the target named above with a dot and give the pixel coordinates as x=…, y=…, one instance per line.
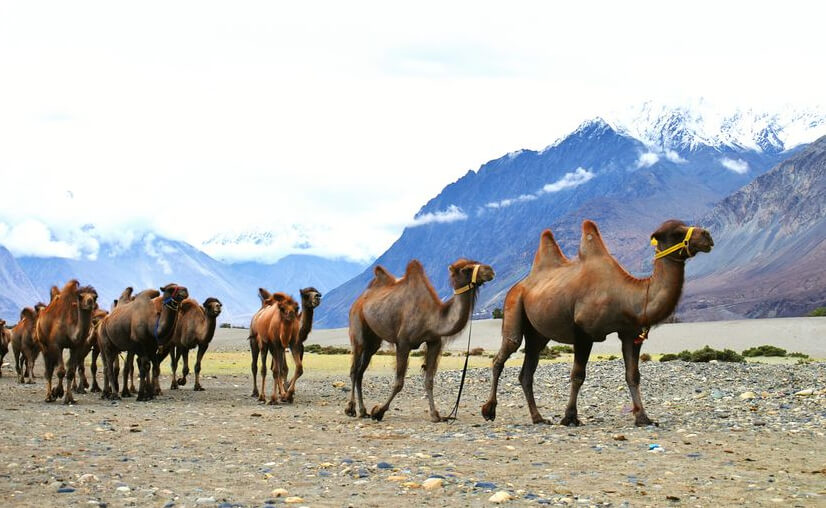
x=665, y=127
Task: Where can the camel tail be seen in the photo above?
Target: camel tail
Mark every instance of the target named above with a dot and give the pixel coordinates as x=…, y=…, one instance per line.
x=591, y=245
x=548, y=255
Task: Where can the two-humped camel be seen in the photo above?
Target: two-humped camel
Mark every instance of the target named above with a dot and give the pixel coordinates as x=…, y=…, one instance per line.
x=24, y=348
x=581, y=301
x=407, y=312
x=272, y=329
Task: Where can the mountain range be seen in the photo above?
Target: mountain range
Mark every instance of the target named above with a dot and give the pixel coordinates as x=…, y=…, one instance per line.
x=626, y=176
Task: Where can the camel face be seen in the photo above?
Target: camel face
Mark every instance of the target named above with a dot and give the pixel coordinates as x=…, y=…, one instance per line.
x=87, y=298
x=461, y=273
x=289, y=309
x=174, y=292
x=212, y=307
x=310, y=297
x=673, y=232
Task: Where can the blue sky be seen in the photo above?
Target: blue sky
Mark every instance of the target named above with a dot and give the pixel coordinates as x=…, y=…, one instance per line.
x=331, y=123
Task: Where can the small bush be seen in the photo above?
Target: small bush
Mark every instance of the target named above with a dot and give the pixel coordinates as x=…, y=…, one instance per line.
x=611, y=358
x=548, y=353
x=818, y=312
x=445, y=353
x=669, y=357
x=765, y=350
x=497, y=313
x=386, y=352
x=477, y=351
x=704, y=355
x=798, y=355
x=563, y=349
x=225, y=325
x=645, y=357
x=325, y=350
x=417, y=353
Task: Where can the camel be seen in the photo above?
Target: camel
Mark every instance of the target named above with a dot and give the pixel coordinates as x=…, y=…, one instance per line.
x=24, y=349
x=581, y=301
x=129, y=363
x=407, y=312
x=5, y=338
x=64, y=324
x=139, y=326
x=310, y=299
x=90, y=344
x=195, y=327
x=273, y=328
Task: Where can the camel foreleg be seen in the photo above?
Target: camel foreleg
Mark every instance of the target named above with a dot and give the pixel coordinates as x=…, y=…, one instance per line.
x=534, y=343
x=71, y=371
x=128, y=367
x=261, y=395
x=296, y=351
x=511, y=340
x=582, y=351
x=278, y=390
x=254, y=365
x=631, y=358
x=61, y=373
x=93, y=368
x=402, y=356
x=434, y=351
x=202, y=348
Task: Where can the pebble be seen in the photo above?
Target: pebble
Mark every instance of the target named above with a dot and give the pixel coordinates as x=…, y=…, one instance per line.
x=65, y=490
x=384, y=465
x=748, y=395
x=397, y=478
x=485, y=485
x=88, y=478
x=433, y=483
x=805, y=393
x=500, y=497
x=620, y=437
x=293, y=500
x=205, y=500
x=123, y=488
x=411, y=485
x=279, y=493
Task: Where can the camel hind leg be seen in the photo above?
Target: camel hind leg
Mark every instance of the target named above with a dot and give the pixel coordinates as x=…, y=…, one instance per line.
x=631, y=358
x=264, y=350
x=402, y=357
x=364, y=344
x=434, y=351
x=513, y=320
x=93, y=369
x=582, y=351
x=128, y=366
x=202, y=349
x=254, y=365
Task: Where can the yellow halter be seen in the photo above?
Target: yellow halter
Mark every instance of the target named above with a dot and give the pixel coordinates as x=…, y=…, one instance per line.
x=675, y=247
x=472, y=284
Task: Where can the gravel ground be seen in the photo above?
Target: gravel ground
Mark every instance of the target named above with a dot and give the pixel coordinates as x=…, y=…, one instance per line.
x=729, y=434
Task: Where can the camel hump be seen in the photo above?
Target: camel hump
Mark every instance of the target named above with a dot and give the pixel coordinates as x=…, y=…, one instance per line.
x=149, y=294
x=188, y=305
x=263, y=295
x=414, y=268
x=27, y=313
x=591, y=244
x=548, y=255
x=381, y=277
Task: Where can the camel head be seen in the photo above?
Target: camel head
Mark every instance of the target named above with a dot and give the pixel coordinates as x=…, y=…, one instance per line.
x=288, y=308
x=87, y=298
x=212, y=306
x=98, y=315
x=462, y=274
x=310, y=298
x=53, y=293
x=38, y=307
x=173, y=295
x=675, y=240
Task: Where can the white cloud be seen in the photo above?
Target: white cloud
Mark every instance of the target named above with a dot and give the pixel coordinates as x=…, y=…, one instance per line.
x=739, y=166
x=572, y=179
x=647, y=159
x=674, y=157
x=33, y=238
x=451, y=214
x=508, y=202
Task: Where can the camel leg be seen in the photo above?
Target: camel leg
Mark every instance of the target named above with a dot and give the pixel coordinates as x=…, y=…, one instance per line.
x=631, y=357
x=50, y=361
x=357, y=370
x=82, y=381
x=71, y=371
x=128, y=365
x=582, y=350
x=61, y=373
x=156, y=373
x=202, y=348
x=402, y=354
x=185, y=369
x=277, y=353
x=296, y=351
x=174, y=355
x=31, y=356
x=254, y=366
x=144, y=391
x=511, y=340
x=434, y=351
x=264, y=351
x=534, y=343
x=16, y=354
x=132, y=375
x=93, y=368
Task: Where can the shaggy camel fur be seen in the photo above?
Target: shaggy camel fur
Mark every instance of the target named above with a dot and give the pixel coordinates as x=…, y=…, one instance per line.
x=581, y=301
x=65, y=324
x=24, y=348
x=195, y=328
x=407, y=312
x=273, y=328
x=140, y=326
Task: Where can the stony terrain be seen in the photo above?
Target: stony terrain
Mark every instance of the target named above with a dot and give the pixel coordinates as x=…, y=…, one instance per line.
x=728, y=434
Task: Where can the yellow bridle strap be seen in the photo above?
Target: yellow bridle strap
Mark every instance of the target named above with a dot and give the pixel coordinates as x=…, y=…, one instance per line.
x=465, y=289
x=675, y=247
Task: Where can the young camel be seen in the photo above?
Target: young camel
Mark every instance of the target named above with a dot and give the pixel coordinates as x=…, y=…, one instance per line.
x=65, y=324
x=310, y=299
x=81, y=383
x=274, y=326
x=24, y=349
x=5, y=339
x=140, y=326
x=407, y=312
x=195, y=327
x=581, y=301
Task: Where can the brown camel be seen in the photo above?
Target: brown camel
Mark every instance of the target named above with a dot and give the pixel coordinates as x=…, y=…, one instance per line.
x=407, y=312
x=195, y=328
x=581, y=301
x=90, y=344
x=65, y=324
x=129, y=363
x=5, y=339
x=139, y=326
x=273, y=328
x=310, y=299
x=24, y=349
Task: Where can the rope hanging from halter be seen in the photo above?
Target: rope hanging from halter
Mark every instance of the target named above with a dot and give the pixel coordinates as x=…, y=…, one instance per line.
x=464, y=289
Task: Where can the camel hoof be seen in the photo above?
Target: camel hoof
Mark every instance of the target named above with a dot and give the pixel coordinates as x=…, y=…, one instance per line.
x=489, y=411
x=57, y=391
x=254, y=393
x=80, y=390
x=95, y=389
x=645, y=422
x=377, y=413
x=571, y=421
x=69, y=402
x=126, y=394
x=174, y=386
x=157, y=391
x=198, y=388
x=50, y=398
x=182, y=381
x=272, y=402
x=541, y=420
x=350, y=409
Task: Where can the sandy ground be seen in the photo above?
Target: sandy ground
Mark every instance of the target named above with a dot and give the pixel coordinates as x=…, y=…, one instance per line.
x=805, y=335
x=728, y=434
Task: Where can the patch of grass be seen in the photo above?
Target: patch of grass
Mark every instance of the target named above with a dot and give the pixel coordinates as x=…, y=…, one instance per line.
x=326, y=350
x=703, y=355
x=818, y=312
x=446, y=353
x=477, y=351
x=416, y=353
x=798, y=355
x=765, y=350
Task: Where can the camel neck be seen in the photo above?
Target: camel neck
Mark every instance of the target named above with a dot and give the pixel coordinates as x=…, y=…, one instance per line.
x=306, y=323
x=165, y=325
x=210, y=327
x=664, y=288
x=84, y=324
x=455, y=313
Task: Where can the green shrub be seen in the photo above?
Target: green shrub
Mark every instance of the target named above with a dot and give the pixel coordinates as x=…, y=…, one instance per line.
x=818, y=312
x=765, y=350
x=548, y=353
x=445, y=353
x=669, y=357
x=704, y=355
x=225, y=325
x=611, y=358
x=477, y=351
x=417, y=353
x=563, y=349
x=798, y=355
x=645, y=357
x=325, y=350
x=497, y=313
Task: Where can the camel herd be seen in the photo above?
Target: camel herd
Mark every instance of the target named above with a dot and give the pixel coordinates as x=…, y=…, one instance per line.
x=573, y=301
